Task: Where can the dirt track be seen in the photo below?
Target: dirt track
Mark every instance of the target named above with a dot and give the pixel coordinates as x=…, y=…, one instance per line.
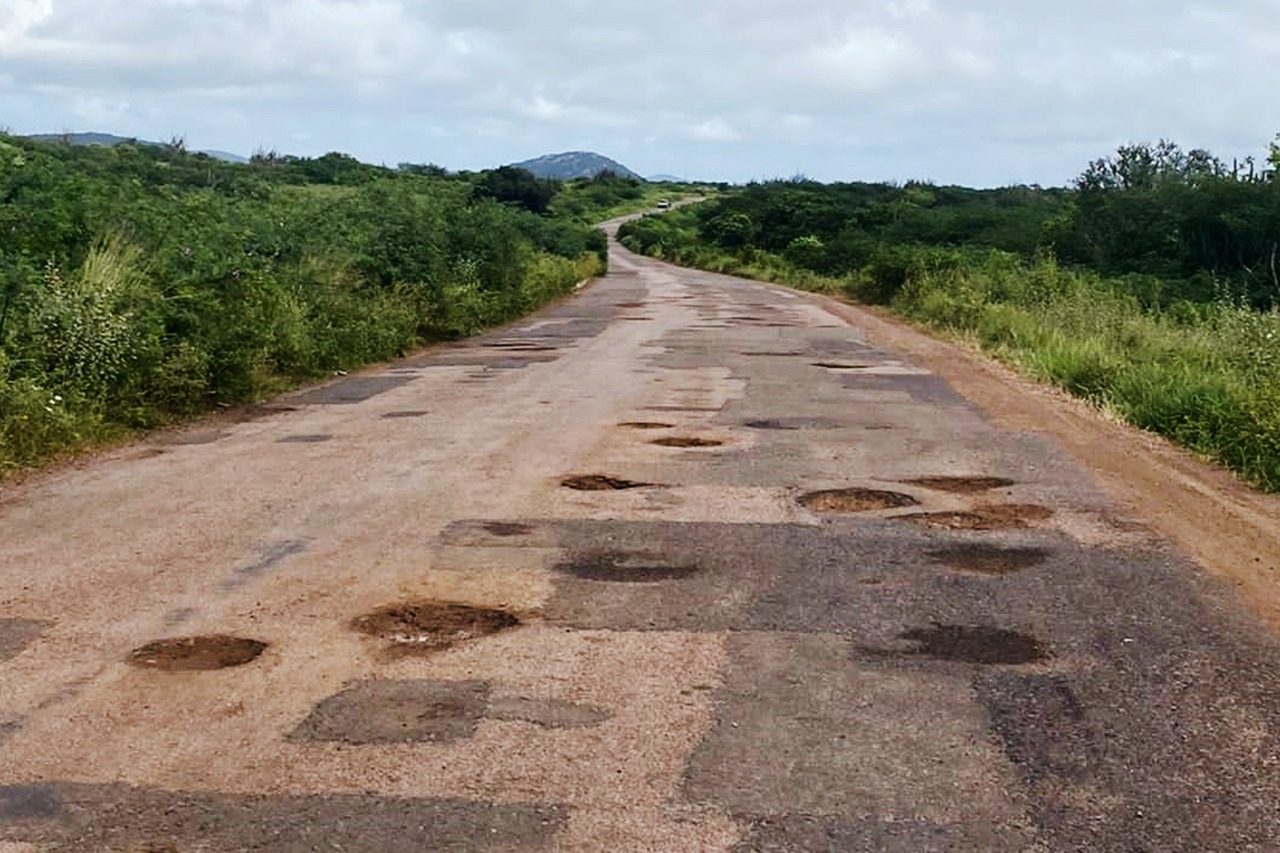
x=684, y=563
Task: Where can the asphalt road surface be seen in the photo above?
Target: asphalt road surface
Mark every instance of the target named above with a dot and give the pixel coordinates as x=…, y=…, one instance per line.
x=683, y=563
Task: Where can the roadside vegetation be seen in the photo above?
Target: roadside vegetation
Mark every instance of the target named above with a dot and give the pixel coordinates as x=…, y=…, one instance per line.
x=1151, y=287
x=140, y=285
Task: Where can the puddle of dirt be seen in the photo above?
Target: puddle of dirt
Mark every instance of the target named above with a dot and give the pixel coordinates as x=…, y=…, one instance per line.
x=962, y=485
x=1000, y=517
x=622, y=567
x=196, y=654
x=305, y=439
x=687, y=441
x=507, y=528
x=856, y=500
x=989, y=559
x=420, y=627
x=397, y=415
x=601, y=483
x=646, y=425
x=975, y=644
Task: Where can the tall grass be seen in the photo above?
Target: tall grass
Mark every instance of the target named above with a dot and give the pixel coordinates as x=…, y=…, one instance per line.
x=1206, y=376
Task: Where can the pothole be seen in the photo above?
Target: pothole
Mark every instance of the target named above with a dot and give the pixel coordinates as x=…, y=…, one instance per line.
x=646, y=425
x=306, y=439
x=507, y=528
x=1001, y=517
x=962, y=485
x=391, y=416
x=769, y=424
x=622, y=567
x=632, y=304
x=989, y=559
x=839, y=365
x=856, y=500
x=600, y=483
x=429, y=626
x=196, y=654
x=687, y=441
x=976, y=644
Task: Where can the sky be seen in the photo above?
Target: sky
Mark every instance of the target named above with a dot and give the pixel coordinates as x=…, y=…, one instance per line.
x=977, y=92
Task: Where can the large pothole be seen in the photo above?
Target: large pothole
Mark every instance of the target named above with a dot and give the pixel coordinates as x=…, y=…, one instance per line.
x=688, y=441
x=856, y=500
x=600, y=483
x=999, y=517
x=976, y=644
x=988, y=559
x=961, y=485
x=196, y=654
x=420, y=627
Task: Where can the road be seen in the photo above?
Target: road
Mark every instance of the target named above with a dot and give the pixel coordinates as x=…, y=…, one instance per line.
x=683, y=563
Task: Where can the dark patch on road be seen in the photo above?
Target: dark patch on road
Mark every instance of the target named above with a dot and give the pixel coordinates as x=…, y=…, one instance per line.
x=855, y=500
x=838, y=365
x=507, y=528
x=384, y=711
x=927, y=389
x=962, y=485
x=601, y=483
x=623, y=567
x=687, y=441
x=315, y=438
x=772, y=353
x=995, y=517
x=272, y=556
x=148, y=453
x=25, y=802
x=425, y=627
x=406, y=414
x=9, y=728
x=196, y=654
x=683, y=408
x=632, y=304
x=119, y=817
x=815, y=834
x=645, y=425
x=354, y=389
x=17, y=634
x=1040, y=723
x=989, y=559
x=979, y=644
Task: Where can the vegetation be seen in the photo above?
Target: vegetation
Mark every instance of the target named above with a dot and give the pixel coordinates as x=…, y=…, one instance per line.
x=1150, y=287
x=140, y=284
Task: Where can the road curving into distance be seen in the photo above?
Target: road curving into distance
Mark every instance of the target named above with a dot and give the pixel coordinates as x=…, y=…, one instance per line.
x=683, y=563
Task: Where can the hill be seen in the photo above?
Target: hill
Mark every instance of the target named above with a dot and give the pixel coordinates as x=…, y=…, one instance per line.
x=575, y=164
x=108, y=140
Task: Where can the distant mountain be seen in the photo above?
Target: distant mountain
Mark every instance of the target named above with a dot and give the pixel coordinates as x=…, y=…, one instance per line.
x=574, y=164
x=109, y=140
x=665, y=179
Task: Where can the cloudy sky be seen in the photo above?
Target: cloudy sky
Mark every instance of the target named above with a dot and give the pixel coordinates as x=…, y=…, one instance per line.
x=984, y=92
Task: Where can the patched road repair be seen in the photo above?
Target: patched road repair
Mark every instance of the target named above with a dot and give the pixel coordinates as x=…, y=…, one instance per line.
x=684, y=563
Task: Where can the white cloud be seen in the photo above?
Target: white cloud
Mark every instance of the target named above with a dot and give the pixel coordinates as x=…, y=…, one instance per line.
x=957, y=89
x=713, y=130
